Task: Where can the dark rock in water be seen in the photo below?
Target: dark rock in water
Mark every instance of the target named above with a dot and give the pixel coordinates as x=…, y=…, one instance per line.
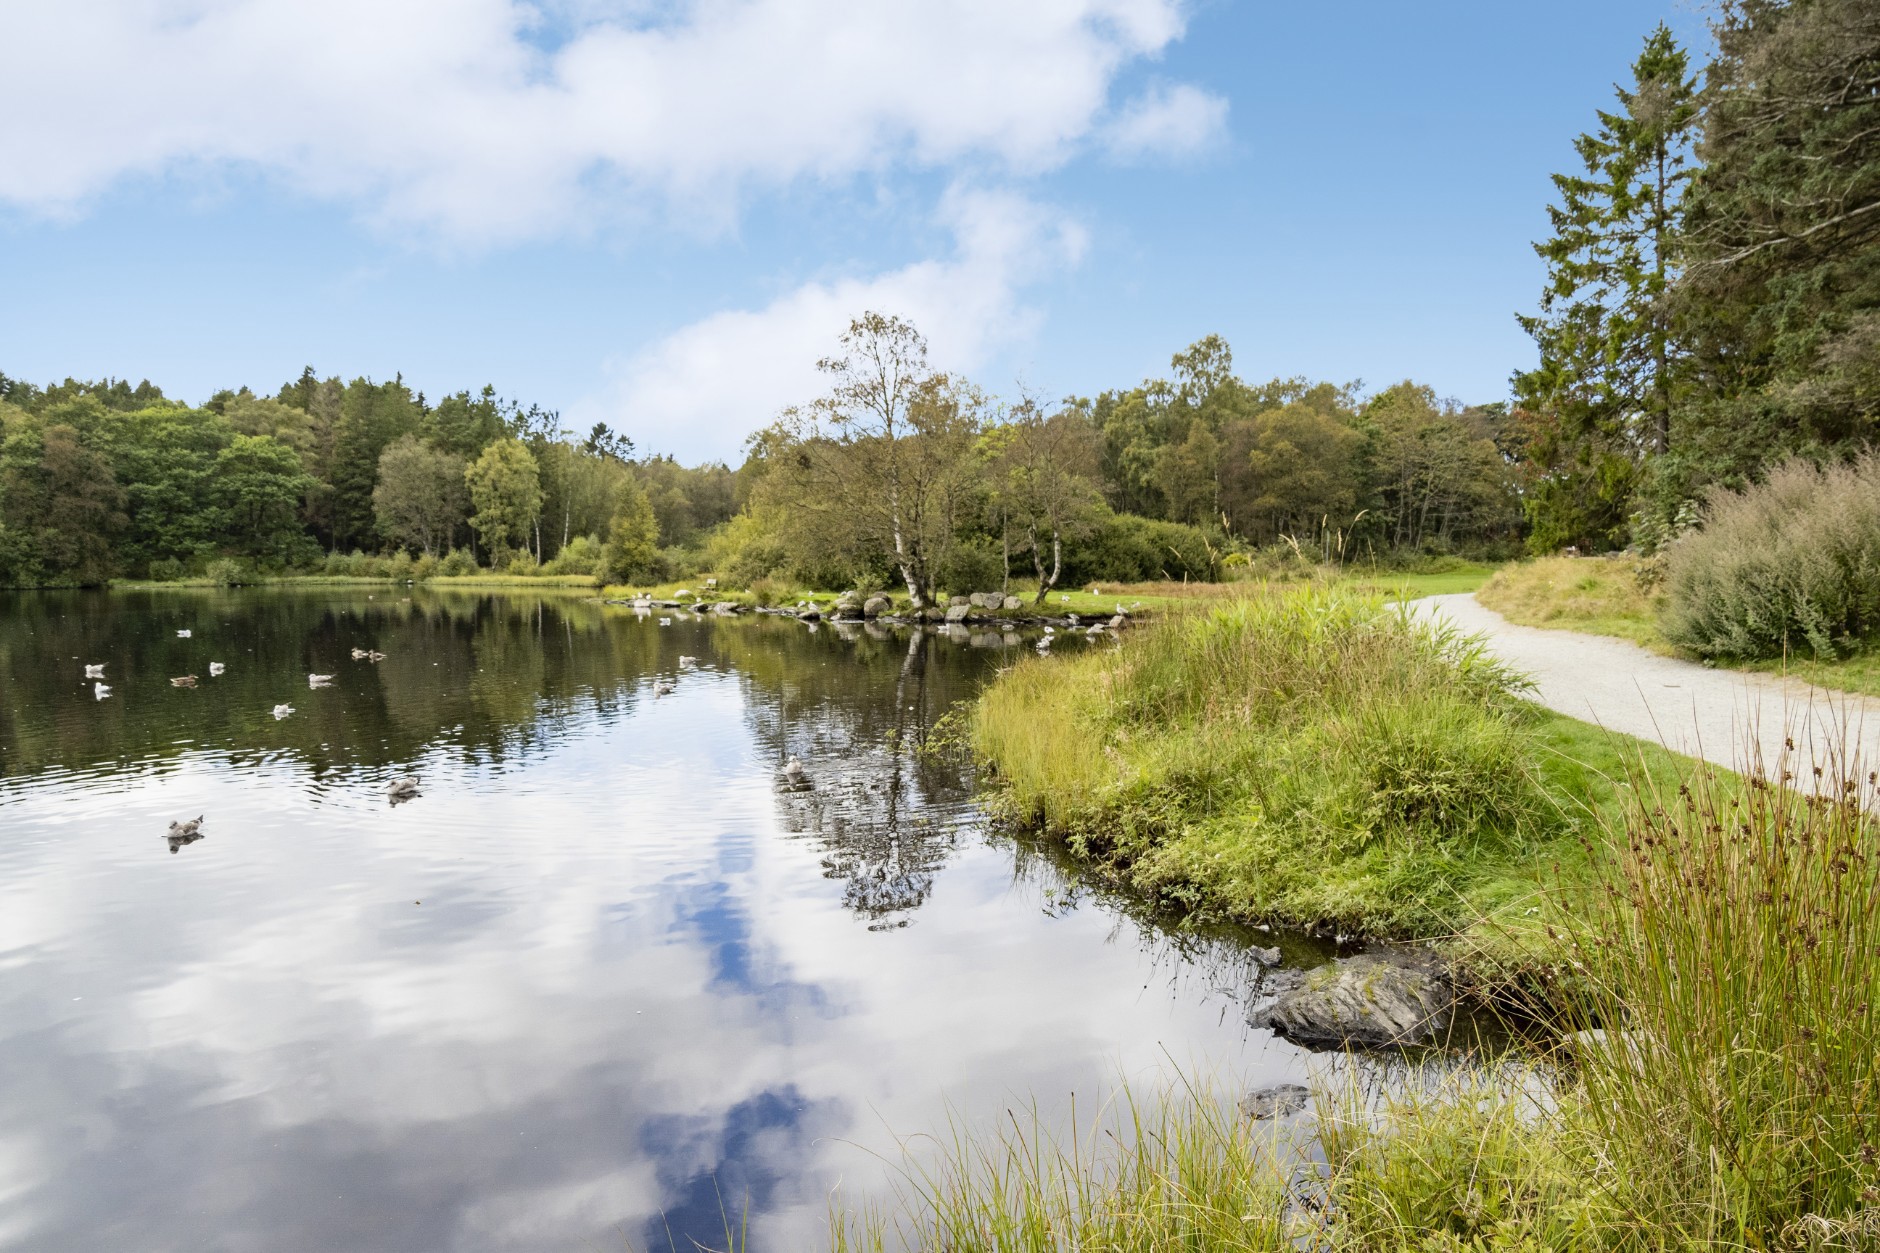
x=1275, y=1102
x=1372, y=1000
x=1266, y=956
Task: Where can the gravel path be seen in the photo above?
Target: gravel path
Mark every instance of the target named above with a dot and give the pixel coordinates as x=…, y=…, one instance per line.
x=1713, y=714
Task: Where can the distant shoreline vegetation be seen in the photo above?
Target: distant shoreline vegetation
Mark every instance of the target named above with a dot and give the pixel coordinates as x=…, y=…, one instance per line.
x=898, y=477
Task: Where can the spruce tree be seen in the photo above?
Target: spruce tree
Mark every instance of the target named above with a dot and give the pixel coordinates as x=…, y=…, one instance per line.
x=1606, y=377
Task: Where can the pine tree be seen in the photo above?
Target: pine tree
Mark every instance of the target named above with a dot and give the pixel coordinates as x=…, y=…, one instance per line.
x=1608, y=358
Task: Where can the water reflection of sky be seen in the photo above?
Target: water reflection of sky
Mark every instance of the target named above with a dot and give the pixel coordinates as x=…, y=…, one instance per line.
x=598, y=991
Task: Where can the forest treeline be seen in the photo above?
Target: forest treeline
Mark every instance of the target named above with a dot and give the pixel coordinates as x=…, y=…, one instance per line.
x=899, y=475
x=1712, y=309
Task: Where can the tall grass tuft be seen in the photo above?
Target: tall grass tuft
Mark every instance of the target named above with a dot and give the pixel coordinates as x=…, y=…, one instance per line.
x=1181, y=1173
x=1735, y=970
x=1301, y=755
x=1789, y=564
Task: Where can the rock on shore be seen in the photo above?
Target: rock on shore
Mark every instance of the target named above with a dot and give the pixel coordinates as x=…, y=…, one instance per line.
x=1374, y=1000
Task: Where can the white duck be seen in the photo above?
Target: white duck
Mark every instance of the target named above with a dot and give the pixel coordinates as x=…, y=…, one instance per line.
x=665, y=687
x=99, y=691
x=95, y=672
x=319, y=680
x=401, y=789
x=216, y=668
x=688, y=663
x=281, y=711
x=183, y=634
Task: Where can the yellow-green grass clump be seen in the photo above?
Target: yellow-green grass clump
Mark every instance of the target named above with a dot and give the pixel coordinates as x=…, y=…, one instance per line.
x=1600, y=595
x=1301, y=756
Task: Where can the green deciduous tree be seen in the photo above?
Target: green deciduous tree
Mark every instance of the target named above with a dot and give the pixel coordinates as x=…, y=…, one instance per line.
x=259, y=486
x=422, y=496
x=1043, y=480
x=60, y=506
x=632, y=552
x=506, y=493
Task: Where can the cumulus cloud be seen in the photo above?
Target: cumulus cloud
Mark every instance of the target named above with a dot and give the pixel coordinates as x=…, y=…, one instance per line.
x=490, y=120
x=1168, y=121
x=698, y=392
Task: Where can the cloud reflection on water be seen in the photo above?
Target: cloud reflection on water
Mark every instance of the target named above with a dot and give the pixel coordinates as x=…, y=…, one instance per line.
x=600, y=976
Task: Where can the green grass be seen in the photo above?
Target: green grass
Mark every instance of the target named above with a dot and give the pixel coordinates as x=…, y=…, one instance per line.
x=1308, y=757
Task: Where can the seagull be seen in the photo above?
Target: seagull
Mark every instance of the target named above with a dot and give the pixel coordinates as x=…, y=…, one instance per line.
x=665, y=687
x=99, y=691
x=215, y=668
x=188, y=680
x=401, y=789
x=95, y=672
x=183, y=634
x=319, y=680
x=184, y=830
x=281, y=711
x=688, y=663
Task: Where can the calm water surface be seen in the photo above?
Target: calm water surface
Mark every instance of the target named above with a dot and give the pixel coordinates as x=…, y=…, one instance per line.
x=604, y=972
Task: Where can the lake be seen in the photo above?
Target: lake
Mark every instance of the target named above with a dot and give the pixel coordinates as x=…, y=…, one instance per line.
x=609, y=977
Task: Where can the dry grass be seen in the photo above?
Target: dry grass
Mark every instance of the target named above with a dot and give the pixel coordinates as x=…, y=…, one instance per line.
x=1598, y=595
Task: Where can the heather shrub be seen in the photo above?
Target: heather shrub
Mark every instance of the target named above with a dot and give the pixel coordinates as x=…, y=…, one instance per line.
x=1788, y=564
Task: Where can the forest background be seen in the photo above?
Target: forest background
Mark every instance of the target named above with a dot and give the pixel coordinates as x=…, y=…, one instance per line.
x=1712, y=310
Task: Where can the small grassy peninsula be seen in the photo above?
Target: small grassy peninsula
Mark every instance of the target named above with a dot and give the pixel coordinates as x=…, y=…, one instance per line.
x=1303, y=756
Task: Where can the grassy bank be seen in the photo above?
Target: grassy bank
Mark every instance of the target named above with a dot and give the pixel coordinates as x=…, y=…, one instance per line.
x=1725, y=935
x=1309, y=757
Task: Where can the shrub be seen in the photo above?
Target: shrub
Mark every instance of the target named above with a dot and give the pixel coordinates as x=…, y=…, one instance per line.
x=580, y=555
x=1124, y=548
x=1788, y=563
x=457, y=561
x=166, y=570
x=229, y=572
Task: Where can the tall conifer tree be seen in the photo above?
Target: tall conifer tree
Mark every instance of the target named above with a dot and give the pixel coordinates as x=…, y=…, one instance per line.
x=1605, y=383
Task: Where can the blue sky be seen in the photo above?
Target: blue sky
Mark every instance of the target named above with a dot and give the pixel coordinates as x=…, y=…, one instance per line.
x=658, y=213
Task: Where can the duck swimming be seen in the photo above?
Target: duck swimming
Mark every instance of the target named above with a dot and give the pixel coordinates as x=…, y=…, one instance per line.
x=183, y=634
x=359, y=654
x=215, y=668
x=185, y=830
x=281, y=711
x=95, y=672
x=665, y=687
x=401, y=789
x=187, y=680
x=319, y=680
x=99, y=691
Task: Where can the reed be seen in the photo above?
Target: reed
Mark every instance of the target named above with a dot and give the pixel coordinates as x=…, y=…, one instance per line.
x=1733, y=962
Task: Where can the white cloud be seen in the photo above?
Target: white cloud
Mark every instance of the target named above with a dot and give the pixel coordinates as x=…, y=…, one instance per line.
x=1169, y=121
x=487, y=120
x=698, y=392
